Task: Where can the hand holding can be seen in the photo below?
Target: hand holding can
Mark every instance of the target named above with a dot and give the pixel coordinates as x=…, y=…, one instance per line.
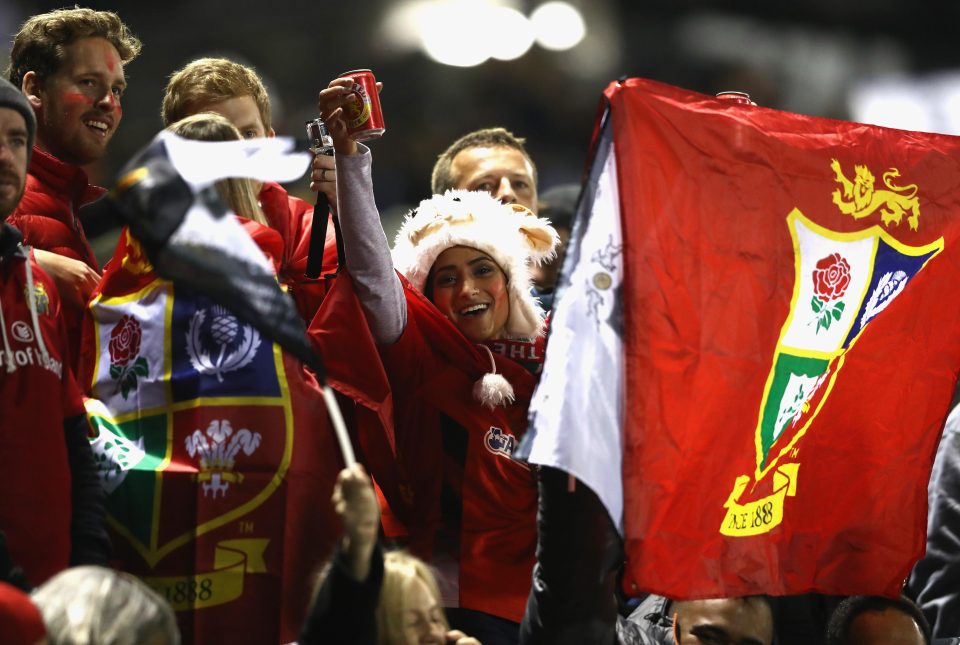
x=362, y=113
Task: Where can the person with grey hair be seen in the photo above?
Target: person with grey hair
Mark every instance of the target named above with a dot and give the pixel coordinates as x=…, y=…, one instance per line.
x=87, y=605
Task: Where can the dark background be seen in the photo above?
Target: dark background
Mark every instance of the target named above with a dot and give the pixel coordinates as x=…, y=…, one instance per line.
x=799, y=56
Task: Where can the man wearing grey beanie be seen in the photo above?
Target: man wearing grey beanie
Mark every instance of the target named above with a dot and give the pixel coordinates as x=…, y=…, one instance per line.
x=11, y=97
x=45, y=459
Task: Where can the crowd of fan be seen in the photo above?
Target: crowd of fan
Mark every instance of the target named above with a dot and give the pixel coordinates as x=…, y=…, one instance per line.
x=503, y=553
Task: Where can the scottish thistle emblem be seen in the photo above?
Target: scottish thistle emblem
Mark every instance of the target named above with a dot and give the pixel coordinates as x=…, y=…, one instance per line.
x=218, y=343
x=831, y=277
x=217, y=450
x=126, y=366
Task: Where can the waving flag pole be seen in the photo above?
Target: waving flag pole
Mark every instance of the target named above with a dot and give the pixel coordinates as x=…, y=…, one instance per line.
x=167, y=197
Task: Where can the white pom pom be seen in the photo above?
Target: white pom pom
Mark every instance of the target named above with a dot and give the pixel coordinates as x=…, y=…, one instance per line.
x=493, y=390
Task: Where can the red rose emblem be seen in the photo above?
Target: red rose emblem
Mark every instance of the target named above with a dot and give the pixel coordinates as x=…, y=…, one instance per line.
x=125, y=341
x=831, y=277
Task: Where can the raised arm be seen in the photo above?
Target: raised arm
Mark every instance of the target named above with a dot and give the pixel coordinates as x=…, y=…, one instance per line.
x=364, y=242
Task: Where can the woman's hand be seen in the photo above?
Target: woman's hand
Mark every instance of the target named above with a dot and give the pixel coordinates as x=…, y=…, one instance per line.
x=356, y=504
x=332, y=103
x=456, y=637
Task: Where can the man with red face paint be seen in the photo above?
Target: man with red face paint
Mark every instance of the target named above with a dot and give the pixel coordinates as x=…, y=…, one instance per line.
x=69, y=64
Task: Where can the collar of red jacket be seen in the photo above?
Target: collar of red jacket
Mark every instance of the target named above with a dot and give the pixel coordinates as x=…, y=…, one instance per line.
x=64, y=178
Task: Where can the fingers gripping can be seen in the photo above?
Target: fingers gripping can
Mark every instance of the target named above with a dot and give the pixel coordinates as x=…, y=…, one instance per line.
x=363, y=115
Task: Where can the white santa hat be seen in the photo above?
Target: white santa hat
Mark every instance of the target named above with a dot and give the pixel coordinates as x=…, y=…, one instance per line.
x=509, y=233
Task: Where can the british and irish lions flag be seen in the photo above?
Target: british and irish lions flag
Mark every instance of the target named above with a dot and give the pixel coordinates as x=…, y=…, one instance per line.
x=757, y=343
x=213, y=443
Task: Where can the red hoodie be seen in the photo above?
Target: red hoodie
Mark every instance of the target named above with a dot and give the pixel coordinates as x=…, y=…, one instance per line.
x=36, y=394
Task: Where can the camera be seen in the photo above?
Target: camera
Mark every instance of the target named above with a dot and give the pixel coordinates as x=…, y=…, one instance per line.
x=321, y=143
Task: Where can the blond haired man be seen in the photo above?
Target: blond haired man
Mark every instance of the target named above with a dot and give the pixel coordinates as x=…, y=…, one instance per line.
x=237, y=92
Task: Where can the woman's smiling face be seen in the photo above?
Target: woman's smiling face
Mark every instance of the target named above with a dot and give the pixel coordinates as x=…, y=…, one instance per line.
x=470, y=289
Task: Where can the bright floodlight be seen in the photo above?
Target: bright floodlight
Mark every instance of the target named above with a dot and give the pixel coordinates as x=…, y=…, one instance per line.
x=450, y=35
x=900, y=106
x=510, y=33
x=558, y=25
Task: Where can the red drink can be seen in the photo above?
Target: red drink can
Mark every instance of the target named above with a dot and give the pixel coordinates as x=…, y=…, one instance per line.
x=363, y=115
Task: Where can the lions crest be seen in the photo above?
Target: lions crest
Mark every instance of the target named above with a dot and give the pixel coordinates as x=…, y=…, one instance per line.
x=859, y=197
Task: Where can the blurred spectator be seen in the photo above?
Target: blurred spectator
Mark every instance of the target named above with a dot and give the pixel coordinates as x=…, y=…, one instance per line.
x=877, y=620
x=745, y=621
x=94, y=605
x=492, y=159
x=366, y=597
x=20, y=620
x=935, y=580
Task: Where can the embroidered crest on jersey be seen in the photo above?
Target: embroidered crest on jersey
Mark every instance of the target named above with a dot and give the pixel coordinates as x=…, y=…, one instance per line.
x=499, y=442
x=41, y=301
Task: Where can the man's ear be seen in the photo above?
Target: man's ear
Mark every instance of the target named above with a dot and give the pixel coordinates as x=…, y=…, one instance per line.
x=31, y=88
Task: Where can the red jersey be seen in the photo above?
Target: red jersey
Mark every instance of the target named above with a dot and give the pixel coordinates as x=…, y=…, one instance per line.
x=451, y=487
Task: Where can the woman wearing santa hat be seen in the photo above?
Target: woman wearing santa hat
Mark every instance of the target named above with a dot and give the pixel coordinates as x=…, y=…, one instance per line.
x=458, y=337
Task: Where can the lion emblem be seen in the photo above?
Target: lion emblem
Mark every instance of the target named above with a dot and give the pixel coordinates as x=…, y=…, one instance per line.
x=859, y=198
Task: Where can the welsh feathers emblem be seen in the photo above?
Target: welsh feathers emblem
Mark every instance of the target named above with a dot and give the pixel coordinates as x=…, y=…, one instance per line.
x=218, y=343
x=217, y=451
x=842, y=281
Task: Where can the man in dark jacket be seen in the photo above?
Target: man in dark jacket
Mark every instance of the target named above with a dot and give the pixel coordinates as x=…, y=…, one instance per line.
x=935, y=581
x=51, y=511
x=572, y=597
